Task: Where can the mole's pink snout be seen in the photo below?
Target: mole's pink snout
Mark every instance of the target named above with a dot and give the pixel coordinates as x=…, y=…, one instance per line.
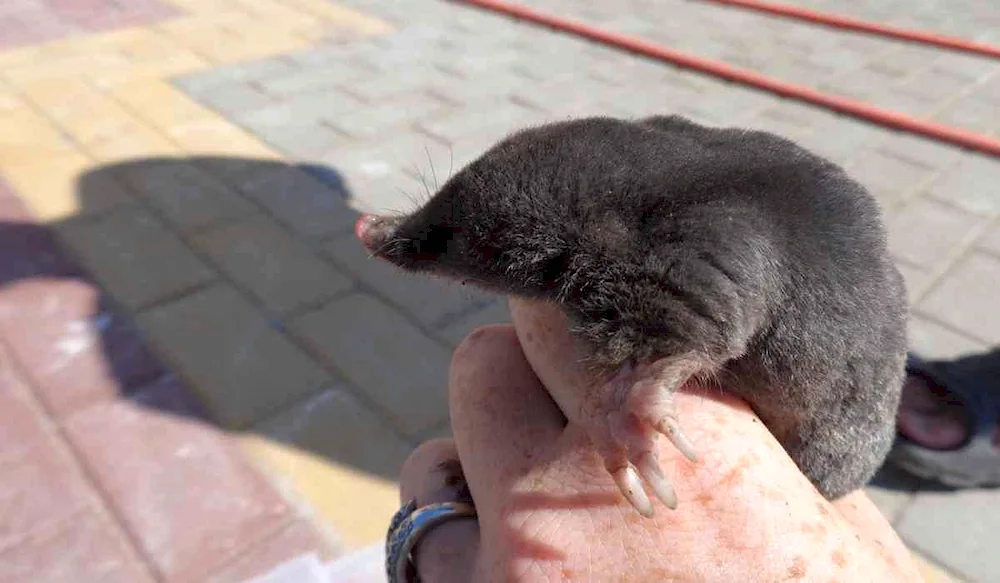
x=373, y=231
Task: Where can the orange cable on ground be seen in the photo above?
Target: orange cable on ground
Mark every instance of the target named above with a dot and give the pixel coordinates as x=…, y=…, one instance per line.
x=859, y=109
x=847, y=22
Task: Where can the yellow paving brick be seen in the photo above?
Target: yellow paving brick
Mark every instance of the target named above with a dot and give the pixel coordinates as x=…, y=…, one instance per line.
x=101, y=125
x=137, y=142
x=218, y=137
x=51, y=187
x=9, y=102
x=26, y=135
x=183, y=63
x=355, y=504
x=76, y=65
x=159, y=103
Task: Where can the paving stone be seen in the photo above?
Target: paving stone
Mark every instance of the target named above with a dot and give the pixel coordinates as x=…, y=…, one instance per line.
x=39, y=488
x=497, y=118
x=971, y=112
x=928, y=233
x=401, y=86
x=22, y=423
x=74, y=348
x=399, y=368
x=433, y=302
x=236, y=73
x=991, y=240
x=966, y=297
x=956, y=529
x=495, y=312
x=240, y=366
x=411, y=153
x=230, y=99
x=28, y=249
x=376, y=120
x=932, y=340
x=892, y=490
x=889, y=178
x=299, y=137
x=298, y=539
x=311, y=200
x=186, y=196
x=315, y=78
x=132, y=254
x=918, y=279
x=971, y=184
x=280, y=271
x=183, y=491
x=323, y=485
x=84, y=549
x=337, y=427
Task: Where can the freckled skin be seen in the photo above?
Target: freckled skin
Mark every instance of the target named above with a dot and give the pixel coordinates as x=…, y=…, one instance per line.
x=735, y=257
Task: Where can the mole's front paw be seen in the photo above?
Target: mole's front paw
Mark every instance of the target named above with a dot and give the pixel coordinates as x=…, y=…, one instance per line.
x=635, y=406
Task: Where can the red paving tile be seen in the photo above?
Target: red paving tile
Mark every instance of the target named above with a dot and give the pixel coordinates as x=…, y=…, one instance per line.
x=183, y=491
x=38, y=484
x=75, y=353
x=26, y=22
x=21, y=423
x=84, y=550
x=298, y=539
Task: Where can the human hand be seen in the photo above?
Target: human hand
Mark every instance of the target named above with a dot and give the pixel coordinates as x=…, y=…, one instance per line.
x=548, y=510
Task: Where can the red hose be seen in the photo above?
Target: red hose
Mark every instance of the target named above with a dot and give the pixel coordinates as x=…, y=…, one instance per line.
x=849, y=23
x=859, y=109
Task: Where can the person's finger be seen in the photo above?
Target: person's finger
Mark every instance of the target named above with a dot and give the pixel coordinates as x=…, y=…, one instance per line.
x=543, y=331
x=432, y=473
x=502, y=416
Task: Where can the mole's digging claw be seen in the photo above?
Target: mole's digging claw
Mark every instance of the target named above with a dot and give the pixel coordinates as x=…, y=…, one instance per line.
x=631, y=487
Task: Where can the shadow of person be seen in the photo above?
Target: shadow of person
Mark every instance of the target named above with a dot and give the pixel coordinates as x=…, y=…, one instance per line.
x=278, y=238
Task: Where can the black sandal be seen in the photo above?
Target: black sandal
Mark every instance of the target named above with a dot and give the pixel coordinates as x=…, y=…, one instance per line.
x=975, y=382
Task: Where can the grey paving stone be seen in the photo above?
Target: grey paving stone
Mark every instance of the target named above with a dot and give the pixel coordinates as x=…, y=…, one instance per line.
x=279, y=271
x=918, y=279
x=966, y=298
x=337, y=426
x=496, y=312
x=971, y=112
x=401, y=370
x=957, y=529
x=991, y=240
x=972, y=184
x=433, y=302
x=889, y=178
x=234, y=98
x=185, y=195
x=379, y=119
x=410, y=152
x=133, y=255
x=892, y=491
x=497, y=118
x=200, y=83
x=932, y=340
x=313, y=78
x=928, y=233
x=310, y=200
x=242, y=368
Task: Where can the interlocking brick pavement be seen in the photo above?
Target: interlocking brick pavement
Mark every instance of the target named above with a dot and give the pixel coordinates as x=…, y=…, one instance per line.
x=207, y=170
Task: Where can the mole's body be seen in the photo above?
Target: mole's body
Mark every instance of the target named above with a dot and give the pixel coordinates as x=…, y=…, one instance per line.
x=682, y=251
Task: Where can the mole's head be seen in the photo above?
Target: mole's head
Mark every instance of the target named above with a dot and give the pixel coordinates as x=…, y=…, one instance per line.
x=505, y=222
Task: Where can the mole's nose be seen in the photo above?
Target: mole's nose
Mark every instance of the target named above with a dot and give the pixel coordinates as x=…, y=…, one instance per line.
x=373, y=231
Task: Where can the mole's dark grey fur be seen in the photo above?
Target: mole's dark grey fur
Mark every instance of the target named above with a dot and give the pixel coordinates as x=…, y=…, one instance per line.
x=738, y=254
